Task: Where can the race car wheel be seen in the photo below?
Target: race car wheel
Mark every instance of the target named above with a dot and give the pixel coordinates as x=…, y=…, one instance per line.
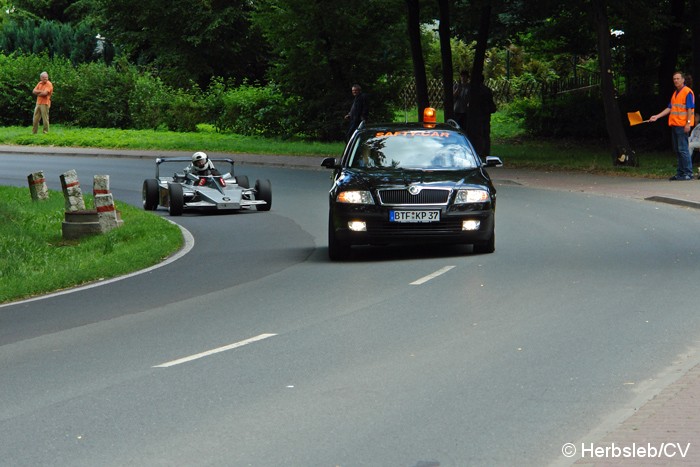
x=337, y=250
x=149, y=193
x=263, y=190
x=177, y=199
x=242, y=181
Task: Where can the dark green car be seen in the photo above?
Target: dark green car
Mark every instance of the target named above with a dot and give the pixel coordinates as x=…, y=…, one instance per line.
x=410, y=183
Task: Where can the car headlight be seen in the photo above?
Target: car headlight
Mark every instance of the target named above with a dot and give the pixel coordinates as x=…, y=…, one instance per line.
x=472, y=196
x=355, y=197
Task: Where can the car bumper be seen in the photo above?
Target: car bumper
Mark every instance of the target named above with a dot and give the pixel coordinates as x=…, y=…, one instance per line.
x=380, y=230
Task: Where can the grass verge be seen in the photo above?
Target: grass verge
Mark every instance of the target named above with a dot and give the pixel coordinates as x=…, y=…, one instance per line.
x=35, y=259
x=508, y=142
x=205, y=139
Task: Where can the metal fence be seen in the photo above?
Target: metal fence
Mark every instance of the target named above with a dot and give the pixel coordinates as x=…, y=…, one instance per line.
x=504, y=91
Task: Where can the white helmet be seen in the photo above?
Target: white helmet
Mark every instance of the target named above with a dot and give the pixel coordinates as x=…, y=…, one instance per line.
x=199, y=160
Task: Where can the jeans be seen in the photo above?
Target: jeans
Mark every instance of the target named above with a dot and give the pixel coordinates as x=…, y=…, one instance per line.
x=680, y=147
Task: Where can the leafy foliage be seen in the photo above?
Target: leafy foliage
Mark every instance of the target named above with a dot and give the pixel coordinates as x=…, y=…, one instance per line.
x=184, y=41
x=321, y=51
x=259, y=111
x=50, y=37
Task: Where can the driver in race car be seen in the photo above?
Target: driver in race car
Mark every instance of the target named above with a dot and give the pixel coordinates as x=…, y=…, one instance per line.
x=201, y=165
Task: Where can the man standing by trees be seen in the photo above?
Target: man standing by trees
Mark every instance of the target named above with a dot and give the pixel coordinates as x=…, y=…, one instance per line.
x=43, y=91
x=461, y=99
x=358, y=111
x=681, y=116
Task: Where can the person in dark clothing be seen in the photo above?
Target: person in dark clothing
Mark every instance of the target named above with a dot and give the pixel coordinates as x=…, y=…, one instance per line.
x=481, y=106
x=358, y=111
x=460, y=92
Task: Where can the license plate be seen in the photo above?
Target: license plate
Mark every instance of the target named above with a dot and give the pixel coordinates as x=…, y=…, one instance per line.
x=414, y=216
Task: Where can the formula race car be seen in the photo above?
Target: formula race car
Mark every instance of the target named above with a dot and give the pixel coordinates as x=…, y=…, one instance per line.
x=185, y=191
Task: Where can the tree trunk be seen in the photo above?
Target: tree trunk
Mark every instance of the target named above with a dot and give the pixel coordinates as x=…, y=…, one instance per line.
x=417, y=54
x=446, y=55
x=621, y=152
x=672, y=44
x=695, y=41
x=482, y=39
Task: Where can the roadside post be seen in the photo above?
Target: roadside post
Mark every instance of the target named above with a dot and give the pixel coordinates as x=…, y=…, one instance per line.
x=72, y=192
x=37, y=186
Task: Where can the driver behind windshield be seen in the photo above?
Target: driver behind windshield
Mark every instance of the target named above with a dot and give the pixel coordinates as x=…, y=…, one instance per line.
x=201, y=165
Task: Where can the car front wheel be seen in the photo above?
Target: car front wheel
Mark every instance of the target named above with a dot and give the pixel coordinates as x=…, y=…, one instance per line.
x=337, y=249
x=489, y=246
x=263, y=190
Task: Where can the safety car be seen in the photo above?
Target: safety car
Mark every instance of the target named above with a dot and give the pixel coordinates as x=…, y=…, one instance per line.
x=410, y=183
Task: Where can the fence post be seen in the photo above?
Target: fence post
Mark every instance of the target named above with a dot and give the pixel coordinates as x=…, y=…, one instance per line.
x=72, y=192
x=37, y=186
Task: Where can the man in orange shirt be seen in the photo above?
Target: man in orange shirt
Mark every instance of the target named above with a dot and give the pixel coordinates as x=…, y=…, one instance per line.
x=43, y=91
x=681, y=119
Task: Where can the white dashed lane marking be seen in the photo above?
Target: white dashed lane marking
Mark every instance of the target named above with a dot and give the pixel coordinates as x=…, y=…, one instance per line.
x=437, y=273
x=214, y=351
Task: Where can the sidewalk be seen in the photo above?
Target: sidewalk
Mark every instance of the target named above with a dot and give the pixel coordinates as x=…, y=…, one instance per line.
x=669, y=422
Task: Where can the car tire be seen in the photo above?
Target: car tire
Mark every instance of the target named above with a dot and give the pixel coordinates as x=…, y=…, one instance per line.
x=263, y=190
x=177, y=199
x=337, y=249
x=149, y=193
x=489, y=246
x=242, y=181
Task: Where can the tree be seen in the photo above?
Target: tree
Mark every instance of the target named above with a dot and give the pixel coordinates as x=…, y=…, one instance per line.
x=55, y=10
x=320, y=49
x=482, y=38
x=622, y=154
x=446, y=54
x=414, y=37
x=185, y=40
x=50, y=37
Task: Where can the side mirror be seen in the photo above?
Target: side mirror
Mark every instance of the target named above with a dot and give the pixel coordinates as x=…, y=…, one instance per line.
x=492, y=161
x=329, y=163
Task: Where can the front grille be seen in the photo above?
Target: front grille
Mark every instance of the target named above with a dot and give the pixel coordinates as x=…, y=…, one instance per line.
x=399, y=197
x=398, y=230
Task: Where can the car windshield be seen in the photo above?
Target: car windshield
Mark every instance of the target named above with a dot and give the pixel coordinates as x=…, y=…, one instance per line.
x=413, y=149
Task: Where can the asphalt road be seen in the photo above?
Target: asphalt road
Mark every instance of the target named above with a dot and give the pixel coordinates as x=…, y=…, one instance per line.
x=253, y=349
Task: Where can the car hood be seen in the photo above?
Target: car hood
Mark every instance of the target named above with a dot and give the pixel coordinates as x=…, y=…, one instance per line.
x=393, y=177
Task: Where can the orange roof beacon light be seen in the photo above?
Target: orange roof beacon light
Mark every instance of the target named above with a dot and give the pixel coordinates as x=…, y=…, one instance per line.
x=429, y=115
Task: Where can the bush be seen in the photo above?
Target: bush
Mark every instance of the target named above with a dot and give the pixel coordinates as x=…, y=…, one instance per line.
x=258, y=111
x=148, y=102
x=183, y=111
x=97, y=96
x=563, y=117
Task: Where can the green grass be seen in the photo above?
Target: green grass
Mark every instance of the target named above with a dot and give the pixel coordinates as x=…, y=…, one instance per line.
x=508, y=141
x=35, y=259
x=206, y=138
x=590, y=157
